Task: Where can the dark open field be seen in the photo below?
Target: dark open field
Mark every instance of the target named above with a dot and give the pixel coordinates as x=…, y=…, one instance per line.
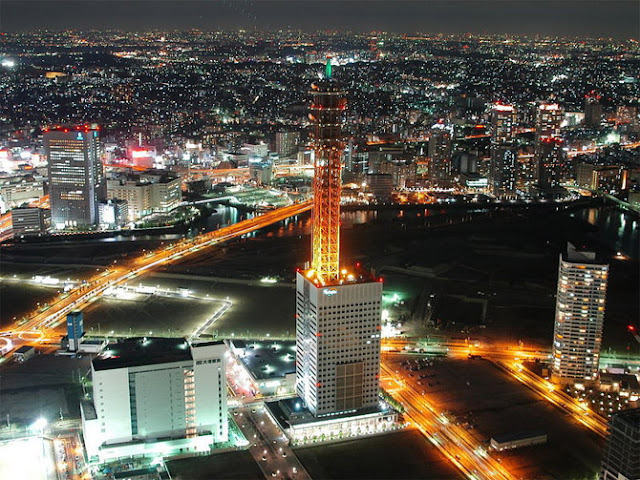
x=400, y=455
x=227, y=466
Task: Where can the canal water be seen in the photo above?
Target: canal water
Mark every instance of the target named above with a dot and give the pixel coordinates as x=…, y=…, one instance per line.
x=617, y=229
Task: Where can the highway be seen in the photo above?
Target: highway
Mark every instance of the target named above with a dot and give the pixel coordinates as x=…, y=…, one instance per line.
x=454, y=441
x=509, y=359
x=550, y=392
x=42, y=324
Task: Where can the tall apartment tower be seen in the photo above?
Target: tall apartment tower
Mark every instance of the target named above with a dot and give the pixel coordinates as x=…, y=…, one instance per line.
x=156, y=394
x=338, y=310
x=621, y=459
x=504, y=155
x=580, y=305
x=76, y=180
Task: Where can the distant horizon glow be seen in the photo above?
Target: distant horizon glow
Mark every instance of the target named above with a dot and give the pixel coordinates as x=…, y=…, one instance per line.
x=589, y=19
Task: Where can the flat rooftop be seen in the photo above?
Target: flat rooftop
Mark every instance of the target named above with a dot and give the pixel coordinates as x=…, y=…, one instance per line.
x=348, y=276
x=579, y=255
x=138, y=351
x=266, y=359
x=515, y=436
x=292, y=411
x=630, y=417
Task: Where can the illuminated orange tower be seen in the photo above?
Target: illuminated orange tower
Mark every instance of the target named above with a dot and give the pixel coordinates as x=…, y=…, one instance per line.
x=338, y=310
x=327, y=114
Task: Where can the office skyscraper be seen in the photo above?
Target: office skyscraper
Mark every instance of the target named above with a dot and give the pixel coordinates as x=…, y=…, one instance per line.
x=76, y=180
x=549, y=117
x=503, y=171
x=548, y=153
x=592, y=110
x=580, y=305
x=621, y=459
x=503, y=119
x=439, y=154
x=338, y=310
x=550, y=163
x=504, y=154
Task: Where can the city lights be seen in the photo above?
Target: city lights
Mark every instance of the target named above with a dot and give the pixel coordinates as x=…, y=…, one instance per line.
x=248, y=235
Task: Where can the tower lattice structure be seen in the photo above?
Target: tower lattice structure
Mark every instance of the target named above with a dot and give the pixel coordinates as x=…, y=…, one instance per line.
x=327, y=114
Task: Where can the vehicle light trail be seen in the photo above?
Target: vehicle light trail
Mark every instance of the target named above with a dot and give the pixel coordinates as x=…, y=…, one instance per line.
x=454, y=442
x=79, y=298
x=509, y=361
x=560, y=399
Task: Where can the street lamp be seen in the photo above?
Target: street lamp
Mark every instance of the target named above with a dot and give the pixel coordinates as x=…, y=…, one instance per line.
x=39, y=425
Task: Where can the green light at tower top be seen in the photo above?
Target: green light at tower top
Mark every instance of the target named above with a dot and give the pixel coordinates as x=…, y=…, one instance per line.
x=327, y=69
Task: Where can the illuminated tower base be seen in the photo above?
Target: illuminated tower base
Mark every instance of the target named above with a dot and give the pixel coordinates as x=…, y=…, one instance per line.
x=338, y=344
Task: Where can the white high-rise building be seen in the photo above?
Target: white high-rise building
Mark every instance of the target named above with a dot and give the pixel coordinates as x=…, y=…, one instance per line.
x=580, y=305
x=338, y=345
x=156, y=395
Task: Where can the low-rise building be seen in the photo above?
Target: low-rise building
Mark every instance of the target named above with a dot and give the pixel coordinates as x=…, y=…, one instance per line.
x=29, y=221
x=302, y=427
x=24, y=353
x=146, y=193
x=269, y=366
x=14, y=191
x=603, y=178
x=380, y=185
x=518, y=440
x=113, y=213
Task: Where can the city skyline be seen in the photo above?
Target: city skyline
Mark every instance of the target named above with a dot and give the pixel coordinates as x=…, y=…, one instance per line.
x=287, y=255
x=612, y=18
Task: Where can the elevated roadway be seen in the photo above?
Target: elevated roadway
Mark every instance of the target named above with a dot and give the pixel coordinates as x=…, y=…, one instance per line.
x=42, y=324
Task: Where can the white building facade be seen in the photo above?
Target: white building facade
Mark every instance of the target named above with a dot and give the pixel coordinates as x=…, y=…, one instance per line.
x=580, y=308
x=338, y=345
x=156, y=395
x=149, y=194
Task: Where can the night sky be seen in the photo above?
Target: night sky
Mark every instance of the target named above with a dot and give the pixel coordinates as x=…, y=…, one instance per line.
x=602, y=18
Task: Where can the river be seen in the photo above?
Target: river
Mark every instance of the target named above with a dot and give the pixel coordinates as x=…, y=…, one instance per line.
x=617, y=229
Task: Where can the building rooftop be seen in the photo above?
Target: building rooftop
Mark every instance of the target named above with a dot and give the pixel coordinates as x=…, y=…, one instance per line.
x=515, y=436
x=630, y=417
x=143, y=178
x=266, y=359
x=138, y=351
x=577, y=255
x=293, y=411
x=25, y=349
x=348, y=276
